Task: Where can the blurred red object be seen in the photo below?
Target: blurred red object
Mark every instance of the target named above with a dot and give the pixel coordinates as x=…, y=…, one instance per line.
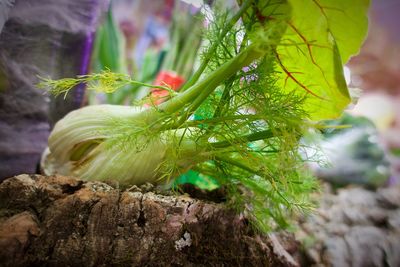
x=165, y=78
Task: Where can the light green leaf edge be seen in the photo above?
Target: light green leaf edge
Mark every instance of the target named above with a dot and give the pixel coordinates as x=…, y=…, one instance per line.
x=321, y=36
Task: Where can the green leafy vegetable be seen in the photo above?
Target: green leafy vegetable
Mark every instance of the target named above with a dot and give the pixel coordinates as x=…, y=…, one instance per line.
x=320, y=37
x=108, y=49
x=238, y=118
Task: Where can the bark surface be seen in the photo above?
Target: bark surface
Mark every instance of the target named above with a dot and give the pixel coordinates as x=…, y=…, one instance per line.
x=61, y=221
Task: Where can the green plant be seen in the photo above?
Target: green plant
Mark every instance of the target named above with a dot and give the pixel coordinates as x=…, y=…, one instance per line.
x=260, y=84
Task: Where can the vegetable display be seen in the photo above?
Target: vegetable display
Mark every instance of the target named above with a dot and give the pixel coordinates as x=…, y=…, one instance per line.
x=268, y=71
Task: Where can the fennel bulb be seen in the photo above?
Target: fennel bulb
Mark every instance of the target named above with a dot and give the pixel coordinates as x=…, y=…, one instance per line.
x=81, y=144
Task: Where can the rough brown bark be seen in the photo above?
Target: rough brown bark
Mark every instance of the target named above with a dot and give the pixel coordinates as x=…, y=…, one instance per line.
x=61, y=221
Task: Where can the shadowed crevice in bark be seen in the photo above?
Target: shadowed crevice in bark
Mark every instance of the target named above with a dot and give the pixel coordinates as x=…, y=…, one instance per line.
x=70, y=189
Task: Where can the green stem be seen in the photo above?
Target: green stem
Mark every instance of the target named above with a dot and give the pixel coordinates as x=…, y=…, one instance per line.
x=224, y=99
x=248, y=118
x=237, y=164
x=244, y=139
x=210, y=53
x=201, y=90
x=188, y=67
x=169, y=61
x=189, y=49
x=151, y=86
x=206, y=86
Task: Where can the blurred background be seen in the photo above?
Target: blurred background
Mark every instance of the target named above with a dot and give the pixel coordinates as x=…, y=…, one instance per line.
x=376, y=71
x=375, y=76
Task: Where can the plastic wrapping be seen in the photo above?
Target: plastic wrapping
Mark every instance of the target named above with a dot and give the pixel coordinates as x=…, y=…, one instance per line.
x=5, y=6
x=48, y=38
x=62, y=15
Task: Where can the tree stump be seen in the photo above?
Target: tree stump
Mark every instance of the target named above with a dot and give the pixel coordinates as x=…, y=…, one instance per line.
x=61, y=221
